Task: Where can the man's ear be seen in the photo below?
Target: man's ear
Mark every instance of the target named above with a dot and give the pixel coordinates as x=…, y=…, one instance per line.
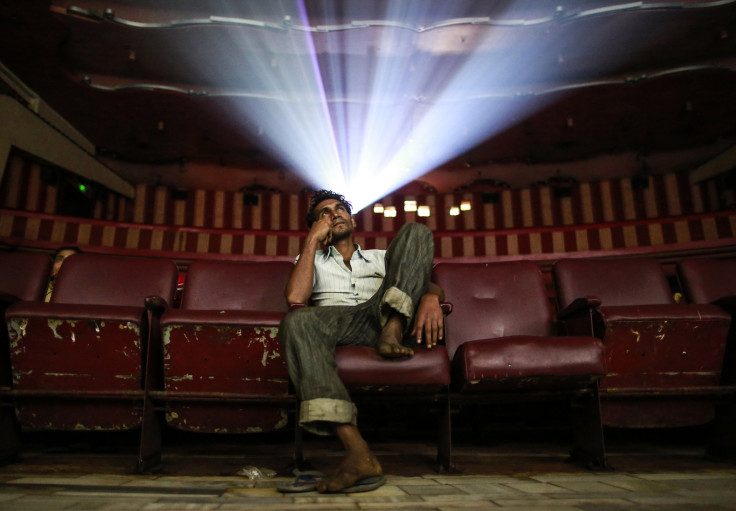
x=352, y=220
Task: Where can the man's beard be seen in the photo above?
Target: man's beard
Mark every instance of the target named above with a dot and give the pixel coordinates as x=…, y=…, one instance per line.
x=341, y=235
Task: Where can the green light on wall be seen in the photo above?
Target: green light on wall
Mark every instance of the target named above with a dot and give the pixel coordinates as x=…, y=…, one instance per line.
x=82, y=188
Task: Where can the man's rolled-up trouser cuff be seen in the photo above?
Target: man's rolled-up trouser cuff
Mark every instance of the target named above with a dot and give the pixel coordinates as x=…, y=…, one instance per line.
x=316, y=413
x=397, y=300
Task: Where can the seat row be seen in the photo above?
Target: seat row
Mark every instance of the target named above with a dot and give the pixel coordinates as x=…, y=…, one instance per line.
x=110, y=353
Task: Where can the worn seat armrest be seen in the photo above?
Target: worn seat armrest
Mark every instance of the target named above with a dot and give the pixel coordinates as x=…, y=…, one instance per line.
x=579, y=306
x=156, y=304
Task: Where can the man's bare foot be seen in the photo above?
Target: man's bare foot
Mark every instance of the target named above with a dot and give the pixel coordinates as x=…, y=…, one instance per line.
x=352, y=469
x=389, y=343
x=393, y=350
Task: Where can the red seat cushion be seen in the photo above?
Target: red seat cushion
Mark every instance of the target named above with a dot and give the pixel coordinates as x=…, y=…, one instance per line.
x=527, y=362
x=363, y=369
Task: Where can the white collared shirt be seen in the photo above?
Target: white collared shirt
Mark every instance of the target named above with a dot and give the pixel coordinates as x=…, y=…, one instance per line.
x=335, y=284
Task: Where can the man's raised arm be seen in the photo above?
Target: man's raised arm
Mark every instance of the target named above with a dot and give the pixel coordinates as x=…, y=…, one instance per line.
x=299, y=286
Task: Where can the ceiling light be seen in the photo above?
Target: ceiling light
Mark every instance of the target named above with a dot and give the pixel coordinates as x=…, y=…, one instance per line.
x=454, y=211
x=410, y=205
x=378, y=208
x=465, y=205
x=423, y=211
x=389, y=211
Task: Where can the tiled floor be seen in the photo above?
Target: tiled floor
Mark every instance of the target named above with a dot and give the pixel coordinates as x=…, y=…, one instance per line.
x=89, y=472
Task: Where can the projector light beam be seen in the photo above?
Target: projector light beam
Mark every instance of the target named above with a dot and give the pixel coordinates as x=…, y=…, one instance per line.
x=366, y=105
x=363, y=111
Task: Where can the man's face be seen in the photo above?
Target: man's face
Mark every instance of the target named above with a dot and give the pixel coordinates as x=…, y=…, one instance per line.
x=336, y=214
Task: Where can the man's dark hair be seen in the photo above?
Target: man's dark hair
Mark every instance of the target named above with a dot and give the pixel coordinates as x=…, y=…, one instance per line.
x=321, y=195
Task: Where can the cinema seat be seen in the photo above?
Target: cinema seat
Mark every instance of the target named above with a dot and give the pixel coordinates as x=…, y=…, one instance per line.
x=23, y=276
x=373, y=380
x=502, y=343
x=223, y=369
x=661, y=356
x=78, y=362
x=425, y=377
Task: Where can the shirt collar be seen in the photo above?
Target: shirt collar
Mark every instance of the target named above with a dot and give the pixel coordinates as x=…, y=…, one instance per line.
x=332, y=252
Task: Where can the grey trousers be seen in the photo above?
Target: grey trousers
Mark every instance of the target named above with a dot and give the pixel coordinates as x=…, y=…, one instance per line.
x=309, y=335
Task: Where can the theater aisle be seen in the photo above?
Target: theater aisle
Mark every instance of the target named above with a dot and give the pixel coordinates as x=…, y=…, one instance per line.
x=648, y=471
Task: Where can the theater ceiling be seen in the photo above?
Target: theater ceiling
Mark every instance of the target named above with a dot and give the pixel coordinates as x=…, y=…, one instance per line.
x=167, y=93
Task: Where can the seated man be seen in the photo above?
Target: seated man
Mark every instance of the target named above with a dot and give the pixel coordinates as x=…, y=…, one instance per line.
x=363, y=298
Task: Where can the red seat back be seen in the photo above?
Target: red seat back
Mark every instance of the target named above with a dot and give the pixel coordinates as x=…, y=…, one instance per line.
x=24, y=275
x=493, y=300
x=614, y=281
x=223, y=340
x=97, y=279
x=707, y=280
x=230, y=285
